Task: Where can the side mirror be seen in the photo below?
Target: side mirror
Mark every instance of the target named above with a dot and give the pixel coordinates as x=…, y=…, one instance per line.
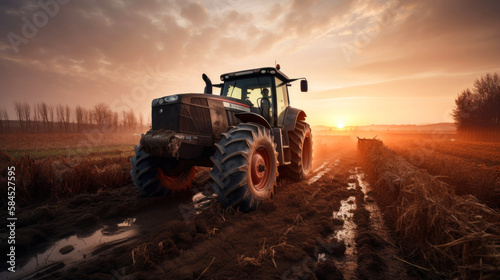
x=303, y=85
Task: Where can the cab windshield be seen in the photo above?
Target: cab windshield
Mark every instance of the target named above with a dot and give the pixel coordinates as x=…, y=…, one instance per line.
x=256, y=90
x=247, y=88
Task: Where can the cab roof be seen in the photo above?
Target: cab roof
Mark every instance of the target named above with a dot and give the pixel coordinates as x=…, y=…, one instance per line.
x=264, y=71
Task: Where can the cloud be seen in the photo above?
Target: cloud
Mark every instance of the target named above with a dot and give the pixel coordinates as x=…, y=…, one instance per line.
x=440, y=37
x=98, y=51
x=195, y=13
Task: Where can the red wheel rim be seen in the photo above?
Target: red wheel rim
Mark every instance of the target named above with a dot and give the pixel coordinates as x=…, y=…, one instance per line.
x=260, y=168
x=171, y=176
x=172, y=172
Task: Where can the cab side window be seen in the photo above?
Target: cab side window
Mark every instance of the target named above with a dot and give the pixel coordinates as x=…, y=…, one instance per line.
x=281, y=99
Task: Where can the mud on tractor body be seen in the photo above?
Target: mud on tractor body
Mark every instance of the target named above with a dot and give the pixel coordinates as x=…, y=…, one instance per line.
x=244, y=134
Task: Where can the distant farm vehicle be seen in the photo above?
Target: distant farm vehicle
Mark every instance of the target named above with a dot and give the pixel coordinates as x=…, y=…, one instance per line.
x=245, y=134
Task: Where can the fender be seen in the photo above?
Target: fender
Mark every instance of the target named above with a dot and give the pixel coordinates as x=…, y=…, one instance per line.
x=255, y=118
x=292, y=115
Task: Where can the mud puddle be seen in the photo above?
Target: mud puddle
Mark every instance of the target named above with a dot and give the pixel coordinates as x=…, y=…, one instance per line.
x=347, y=234
x=377, y=221
x=395, y=268
x=320, y=171
x=69, y=251
x=349, y=264
x=371, y=206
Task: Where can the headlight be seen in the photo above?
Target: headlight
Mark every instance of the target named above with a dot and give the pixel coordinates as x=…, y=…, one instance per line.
x=263, y=71
x=155, y=101
x=171, y=98
x=160, y=101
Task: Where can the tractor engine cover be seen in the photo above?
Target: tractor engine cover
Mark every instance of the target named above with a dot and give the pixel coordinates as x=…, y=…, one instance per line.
x=186, y=126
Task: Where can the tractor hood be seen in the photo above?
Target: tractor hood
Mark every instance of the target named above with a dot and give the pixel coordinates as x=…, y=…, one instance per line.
x=196, y=113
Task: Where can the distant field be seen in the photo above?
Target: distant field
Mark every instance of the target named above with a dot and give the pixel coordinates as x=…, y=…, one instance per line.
x=472, y=167
x=43, y=145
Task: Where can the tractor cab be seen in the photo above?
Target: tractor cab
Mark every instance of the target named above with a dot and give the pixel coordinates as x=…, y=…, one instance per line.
x=264, y=89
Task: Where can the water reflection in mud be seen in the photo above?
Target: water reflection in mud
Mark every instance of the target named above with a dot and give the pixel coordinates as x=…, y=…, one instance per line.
x=71, y=250
x=347, y=235
x=320, y=171
x=202, y=201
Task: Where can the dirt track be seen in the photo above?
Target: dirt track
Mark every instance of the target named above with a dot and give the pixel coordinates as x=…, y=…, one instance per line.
x=326, y=227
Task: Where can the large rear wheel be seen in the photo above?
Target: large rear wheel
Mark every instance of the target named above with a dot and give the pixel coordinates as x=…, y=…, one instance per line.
x=156, y=176
x=301, y=150
x=245, y=166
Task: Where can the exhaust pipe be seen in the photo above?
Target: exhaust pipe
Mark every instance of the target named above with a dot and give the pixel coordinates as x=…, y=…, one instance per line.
x=208, y=87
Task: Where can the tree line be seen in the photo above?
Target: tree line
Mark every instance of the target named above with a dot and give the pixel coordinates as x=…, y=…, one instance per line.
x=477, y=110
x=43, y=117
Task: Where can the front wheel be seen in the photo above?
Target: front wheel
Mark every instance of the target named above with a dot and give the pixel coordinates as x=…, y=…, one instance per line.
x=245, y=166
x=156, y=176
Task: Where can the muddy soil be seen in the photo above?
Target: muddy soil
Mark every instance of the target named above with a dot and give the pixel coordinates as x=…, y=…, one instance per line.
x=325, y=227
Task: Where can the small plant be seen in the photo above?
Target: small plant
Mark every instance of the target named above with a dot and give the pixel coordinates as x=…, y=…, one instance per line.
x=266, y=252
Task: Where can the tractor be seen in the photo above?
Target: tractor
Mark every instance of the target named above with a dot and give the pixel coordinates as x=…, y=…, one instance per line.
x=246, y=133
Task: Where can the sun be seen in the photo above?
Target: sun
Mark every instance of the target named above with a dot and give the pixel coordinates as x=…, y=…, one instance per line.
x=340, y=125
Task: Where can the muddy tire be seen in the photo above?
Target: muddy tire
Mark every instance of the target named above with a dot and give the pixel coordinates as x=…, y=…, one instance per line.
x=245, y=166
x=157, y=176
x=301, y=150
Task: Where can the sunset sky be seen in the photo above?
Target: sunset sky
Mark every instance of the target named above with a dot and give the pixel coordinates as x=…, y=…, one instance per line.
x=367, y=62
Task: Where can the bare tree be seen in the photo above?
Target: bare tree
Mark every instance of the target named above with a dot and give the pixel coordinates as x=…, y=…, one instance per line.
x=1, y=118
x=115, y=121
x=20, y=115
x=79, y=112
x=27, y=115
x=87, y=118
x=129, y=120
x=83, y=118
x=60, y=115
x=141, y=121
x=67, y=117
x=102, y=116
x=5, y=116
x=35, y=118
x=50, y=110
x=44, y=115
x=124, y=120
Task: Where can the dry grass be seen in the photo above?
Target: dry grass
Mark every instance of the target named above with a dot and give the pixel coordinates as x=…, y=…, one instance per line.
x=450, y=231
x=55, y=177
x=211, y=232
x=58, y=165
x=150, y=254
x=266, y=252
x=473, y=168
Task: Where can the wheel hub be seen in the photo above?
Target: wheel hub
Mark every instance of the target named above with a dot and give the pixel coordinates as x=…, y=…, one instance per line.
x=262, y=168
x=259, y=171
